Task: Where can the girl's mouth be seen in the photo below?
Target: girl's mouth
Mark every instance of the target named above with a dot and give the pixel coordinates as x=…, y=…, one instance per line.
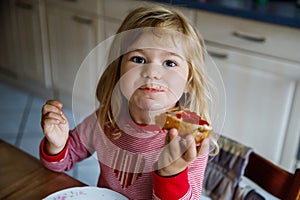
x=148, y=88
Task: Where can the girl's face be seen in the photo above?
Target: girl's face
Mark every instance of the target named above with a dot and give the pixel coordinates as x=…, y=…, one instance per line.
x=153, y=78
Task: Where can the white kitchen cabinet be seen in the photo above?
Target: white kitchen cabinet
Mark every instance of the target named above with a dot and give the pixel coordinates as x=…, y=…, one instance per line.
x=260, y=95
x=6, y=40
x=114, y=15
x=261, y=83
x=264, y=38
x=72, y=35
x=28, y=53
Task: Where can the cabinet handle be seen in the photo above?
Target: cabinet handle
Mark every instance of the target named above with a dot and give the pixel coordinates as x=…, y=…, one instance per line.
x=221, y=55
x=249, y=36
x=71, y=0
x=82, y=20
x=24, y=5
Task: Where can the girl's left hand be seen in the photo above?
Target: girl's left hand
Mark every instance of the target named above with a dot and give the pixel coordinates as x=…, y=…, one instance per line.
x=178, y=153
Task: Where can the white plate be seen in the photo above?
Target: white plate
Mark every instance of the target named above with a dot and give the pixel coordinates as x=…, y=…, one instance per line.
x=86, y=193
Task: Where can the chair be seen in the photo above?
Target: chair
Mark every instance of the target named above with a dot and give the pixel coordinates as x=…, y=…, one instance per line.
x=272, y=178
x=224, y=174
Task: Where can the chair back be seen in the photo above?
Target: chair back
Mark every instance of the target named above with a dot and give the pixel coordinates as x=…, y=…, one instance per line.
x=225, y=171
x=273, y=179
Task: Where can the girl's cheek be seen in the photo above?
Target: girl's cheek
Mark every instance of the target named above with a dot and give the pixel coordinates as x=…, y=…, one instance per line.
x=127, y=83
x=177, y=83
x=125, y=87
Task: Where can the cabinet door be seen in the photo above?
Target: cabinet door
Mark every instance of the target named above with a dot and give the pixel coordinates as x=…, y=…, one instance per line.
x=72, y=36
x=6, y=40
x=259, y=93
x=28, y=40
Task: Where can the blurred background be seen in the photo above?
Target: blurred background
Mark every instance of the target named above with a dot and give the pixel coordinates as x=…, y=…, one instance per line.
x=255, y=46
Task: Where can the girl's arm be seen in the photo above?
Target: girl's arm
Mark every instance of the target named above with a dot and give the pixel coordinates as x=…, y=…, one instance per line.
x=79, y=146
x=181, y=168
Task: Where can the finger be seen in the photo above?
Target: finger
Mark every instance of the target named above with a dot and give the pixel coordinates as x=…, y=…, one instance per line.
x=170, y=135
x=174, y=144
x=49, y=122
x=204, y=148
x=191, y=150
x=51, y=108
x=173, y=133
x=55, y=103
x=52, y=115
x=64, y=116
x=51, y=103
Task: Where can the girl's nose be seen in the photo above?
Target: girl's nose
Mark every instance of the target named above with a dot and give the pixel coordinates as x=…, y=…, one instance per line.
x=152, y=71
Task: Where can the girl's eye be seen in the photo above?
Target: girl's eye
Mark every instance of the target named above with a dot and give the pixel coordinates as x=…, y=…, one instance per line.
x=138, y=59
x=169, y=63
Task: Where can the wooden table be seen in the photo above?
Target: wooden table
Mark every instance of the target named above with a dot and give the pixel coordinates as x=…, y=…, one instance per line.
x=23, y=177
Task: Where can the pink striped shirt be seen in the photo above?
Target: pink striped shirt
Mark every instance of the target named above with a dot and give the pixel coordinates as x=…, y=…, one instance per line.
x=127, y=164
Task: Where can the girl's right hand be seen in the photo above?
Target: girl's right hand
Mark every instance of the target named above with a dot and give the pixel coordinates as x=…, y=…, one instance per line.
x=55, y=126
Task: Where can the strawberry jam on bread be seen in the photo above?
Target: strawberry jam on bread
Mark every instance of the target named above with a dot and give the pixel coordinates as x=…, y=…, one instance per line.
x=186, y=122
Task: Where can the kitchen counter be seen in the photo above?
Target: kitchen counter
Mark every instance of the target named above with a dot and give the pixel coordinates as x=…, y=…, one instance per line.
x=285, y=13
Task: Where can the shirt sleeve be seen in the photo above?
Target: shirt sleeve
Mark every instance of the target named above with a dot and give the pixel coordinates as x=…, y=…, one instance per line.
x=185, y=185
x=73, y=152
x=52, y=158
x=173, y=187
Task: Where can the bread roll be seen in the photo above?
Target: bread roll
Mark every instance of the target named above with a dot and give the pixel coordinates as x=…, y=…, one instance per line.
x=186, y=122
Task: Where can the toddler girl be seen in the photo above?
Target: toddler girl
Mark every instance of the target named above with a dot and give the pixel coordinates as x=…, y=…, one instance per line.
x=156, y=66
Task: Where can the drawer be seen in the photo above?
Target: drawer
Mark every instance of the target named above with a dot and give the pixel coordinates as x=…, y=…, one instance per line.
x=90, y=6
x=120, y=11
x=274, y=40
x=222, y=54
x=125, y=6
x=187, y=12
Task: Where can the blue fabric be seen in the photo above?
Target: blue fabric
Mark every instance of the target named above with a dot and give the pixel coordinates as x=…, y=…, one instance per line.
x=224, y=171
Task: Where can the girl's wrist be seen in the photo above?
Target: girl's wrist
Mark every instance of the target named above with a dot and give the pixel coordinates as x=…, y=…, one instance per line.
x=163, y=173
x=52, y=149
x=166, y=171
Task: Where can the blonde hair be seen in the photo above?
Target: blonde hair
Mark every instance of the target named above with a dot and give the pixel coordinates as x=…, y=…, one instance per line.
x=157, y=17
